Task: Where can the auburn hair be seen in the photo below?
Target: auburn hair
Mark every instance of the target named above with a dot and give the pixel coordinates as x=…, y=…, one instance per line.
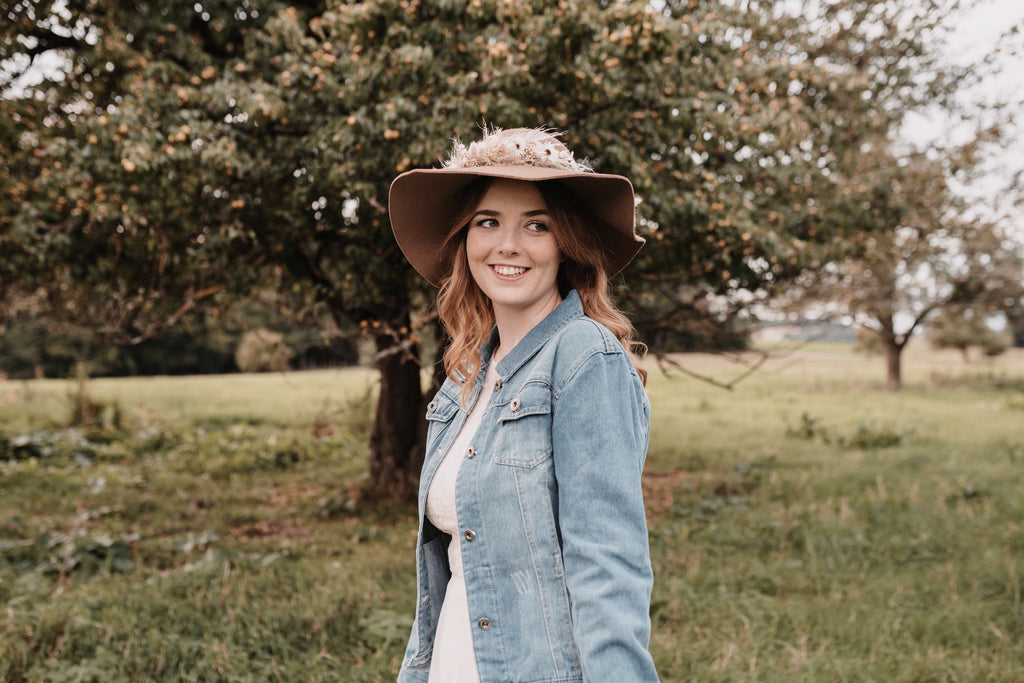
x=466, y=311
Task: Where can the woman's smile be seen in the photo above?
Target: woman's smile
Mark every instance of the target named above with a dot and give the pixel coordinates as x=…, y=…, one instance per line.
x=509, y=271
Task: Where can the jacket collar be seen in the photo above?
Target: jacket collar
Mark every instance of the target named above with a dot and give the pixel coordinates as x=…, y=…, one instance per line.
x=570, y=309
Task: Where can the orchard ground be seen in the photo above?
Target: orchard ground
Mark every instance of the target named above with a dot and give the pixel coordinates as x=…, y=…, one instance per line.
x=806, y=525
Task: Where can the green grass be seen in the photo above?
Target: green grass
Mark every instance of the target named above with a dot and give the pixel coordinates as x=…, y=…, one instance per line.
x=805, y=526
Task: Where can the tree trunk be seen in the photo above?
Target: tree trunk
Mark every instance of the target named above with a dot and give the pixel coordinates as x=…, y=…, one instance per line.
x=439, y=374
x=396, y=449
x=894, y=371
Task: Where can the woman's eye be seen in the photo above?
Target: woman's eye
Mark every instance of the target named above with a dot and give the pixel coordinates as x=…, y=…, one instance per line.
x=537, y=226
x=487, y=223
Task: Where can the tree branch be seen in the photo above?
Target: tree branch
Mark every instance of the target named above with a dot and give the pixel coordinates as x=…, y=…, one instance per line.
x=664, y=360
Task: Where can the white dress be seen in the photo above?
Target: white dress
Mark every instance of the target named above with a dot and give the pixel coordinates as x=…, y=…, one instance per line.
x=453, y=660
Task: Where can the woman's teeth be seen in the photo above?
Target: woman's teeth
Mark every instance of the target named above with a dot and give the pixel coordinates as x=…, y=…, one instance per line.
x=509, y=270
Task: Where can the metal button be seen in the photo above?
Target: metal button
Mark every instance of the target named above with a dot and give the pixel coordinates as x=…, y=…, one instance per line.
x=471, y=452
x=469, y=535
x=497, y=385
x=515, y=404
x=432, y=406
x=484, y=624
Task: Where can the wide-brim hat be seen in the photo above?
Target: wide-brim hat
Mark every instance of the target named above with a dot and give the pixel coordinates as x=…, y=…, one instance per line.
x=422, y=202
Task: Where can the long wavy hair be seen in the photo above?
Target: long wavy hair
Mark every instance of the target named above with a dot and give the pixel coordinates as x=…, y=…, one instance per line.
x=466, y=311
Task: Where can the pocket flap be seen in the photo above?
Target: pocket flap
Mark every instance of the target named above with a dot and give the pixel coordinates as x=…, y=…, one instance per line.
x=441, y=409
x=531, y=400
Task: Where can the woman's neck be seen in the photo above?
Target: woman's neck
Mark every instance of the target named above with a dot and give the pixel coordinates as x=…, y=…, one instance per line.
x=515, y=323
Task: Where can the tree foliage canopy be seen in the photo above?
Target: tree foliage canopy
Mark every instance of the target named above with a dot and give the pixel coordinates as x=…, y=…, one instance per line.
x=190, y=150
x=189, y=145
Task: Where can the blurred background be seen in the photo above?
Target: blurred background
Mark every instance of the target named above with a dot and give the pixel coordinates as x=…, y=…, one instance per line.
x=196, y=192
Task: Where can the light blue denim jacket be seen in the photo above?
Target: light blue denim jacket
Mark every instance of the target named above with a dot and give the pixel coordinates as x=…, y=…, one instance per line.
x=554, y=543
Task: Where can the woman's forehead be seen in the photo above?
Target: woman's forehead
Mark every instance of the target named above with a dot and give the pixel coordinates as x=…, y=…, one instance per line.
x=508, y=195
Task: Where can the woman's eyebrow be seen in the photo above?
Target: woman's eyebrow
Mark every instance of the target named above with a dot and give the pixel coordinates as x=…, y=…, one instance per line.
x=526, y=214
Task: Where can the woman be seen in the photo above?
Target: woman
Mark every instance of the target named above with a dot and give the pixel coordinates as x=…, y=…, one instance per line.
x=532, y=555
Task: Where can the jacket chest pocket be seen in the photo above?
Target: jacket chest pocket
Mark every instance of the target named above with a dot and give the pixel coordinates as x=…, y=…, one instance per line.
x=524, y=428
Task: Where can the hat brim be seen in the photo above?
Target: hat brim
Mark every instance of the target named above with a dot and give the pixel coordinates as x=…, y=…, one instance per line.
x=421, y=203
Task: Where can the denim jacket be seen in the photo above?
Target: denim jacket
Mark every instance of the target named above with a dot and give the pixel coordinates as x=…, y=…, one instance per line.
x=554, y=547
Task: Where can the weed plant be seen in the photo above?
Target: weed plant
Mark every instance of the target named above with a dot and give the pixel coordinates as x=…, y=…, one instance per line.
x=805, y=526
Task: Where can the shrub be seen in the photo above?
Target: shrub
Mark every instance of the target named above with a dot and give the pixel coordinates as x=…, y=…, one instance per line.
x=262, y=350
x=865, y=436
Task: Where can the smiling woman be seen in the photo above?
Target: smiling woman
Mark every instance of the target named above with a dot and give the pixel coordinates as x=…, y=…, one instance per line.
x=532, y=555
x=514, y=258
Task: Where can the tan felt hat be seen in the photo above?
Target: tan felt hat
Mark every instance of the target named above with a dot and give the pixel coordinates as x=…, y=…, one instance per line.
x=421, y=202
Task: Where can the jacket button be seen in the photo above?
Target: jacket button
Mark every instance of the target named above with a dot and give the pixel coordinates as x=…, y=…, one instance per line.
x=432, y=406
x=484, y=624
x=471, y=452
x=497, y=385
x=469, y=535
x=515, y=404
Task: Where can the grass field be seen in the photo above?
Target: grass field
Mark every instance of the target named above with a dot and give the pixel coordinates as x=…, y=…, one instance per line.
x=806, y=525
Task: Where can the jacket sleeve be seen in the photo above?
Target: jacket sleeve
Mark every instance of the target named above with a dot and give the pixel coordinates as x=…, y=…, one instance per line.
x=600, y=429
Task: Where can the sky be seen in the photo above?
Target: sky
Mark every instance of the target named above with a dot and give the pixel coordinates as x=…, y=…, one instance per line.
x=976, y=33
x=983, y=24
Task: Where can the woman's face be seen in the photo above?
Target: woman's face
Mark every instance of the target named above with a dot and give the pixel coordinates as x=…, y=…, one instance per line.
x=512, y=252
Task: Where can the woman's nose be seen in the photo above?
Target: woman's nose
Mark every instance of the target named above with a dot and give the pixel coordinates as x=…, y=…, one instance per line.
x=508, y=242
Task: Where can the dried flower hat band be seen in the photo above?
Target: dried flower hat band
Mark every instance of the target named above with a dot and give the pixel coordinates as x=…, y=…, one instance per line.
x=421, y=202
x=523, y=146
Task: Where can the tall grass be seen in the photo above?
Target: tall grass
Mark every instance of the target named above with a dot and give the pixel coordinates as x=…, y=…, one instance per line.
x=805, y=526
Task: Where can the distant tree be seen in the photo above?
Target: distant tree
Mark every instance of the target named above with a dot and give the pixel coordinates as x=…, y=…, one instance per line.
x=914, y=244
x=932, y=256
x=964, y=327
